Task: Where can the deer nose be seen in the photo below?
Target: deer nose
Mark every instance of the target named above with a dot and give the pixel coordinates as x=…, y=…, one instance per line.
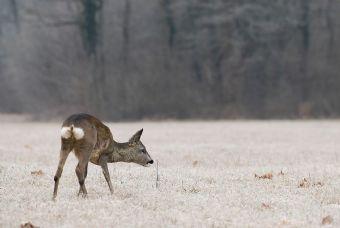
x=150, y=162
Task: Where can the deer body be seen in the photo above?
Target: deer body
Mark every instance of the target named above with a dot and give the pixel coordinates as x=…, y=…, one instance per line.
x=92, y=141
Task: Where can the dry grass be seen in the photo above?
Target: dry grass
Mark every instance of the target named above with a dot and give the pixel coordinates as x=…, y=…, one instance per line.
x=205, y=177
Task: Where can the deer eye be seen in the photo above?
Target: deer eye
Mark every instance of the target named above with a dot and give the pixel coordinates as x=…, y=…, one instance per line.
x=143, y=151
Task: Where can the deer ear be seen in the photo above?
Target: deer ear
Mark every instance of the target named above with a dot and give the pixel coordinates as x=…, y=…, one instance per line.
x=136, y=136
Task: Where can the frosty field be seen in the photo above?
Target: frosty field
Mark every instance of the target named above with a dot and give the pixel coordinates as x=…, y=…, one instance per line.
x=207, y=176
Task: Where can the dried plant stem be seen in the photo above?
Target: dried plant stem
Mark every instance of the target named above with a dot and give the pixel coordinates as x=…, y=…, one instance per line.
x=157, y=176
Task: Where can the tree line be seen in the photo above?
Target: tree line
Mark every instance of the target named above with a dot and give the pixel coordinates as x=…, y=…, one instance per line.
x=135, y=59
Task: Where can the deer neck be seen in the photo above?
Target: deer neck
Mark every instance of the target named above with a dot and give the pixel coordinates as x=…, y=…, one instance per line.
x=120, y=152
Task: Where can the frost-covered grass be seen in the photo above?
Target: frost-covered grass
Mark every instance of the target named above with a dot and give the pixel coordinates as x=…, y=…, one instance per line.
x=207, y=176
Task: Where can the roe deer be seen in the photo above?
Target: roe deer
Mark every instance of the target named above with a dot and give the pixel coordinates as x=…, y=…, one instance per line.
x=92, y=141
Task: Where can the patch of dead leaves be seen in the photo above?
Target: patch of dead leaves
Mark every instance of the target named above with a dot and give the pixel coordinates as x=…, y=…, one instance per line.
x=281, y=173
x=195, y=163
x=319, y=183
x=327, y=220
x=29, y=147
x=265, y=176
x=28, y=225
x=305, y=183
x=37, y=173
x=269, y=175
x=265, y=206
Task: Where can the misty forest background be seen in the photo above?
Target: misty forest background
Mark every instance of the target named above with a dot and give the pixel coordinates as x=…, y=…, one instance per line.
x=137, y=59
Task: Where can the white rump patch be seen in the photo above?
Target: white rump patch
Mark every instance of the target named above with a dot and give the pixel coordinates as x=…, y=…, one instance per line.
x=66, y=132
x=78, y=133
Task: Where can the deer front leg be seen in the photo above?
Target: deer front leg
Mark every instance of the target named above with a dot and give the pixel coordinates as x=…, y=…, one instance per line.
x=103, y=164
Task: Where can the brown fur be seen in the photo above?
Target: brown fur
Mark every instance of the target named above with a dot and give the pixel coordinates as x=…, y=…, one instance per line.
x=97, y=146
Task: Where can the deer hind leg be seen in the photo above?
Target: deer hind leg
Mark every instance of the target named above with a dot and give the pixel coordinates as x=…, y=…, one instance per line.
x=85, y=175
x=81, y=169
x=103, y=164
x=66, y=147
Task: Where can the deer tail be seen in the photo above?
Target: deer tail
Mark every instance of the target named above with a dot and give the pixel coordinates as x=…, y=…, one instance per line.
x=69, y=131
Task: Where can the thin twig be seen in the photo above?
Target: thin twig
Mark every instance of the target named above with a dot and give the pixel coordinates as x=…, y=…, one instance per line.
x=157, y=176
